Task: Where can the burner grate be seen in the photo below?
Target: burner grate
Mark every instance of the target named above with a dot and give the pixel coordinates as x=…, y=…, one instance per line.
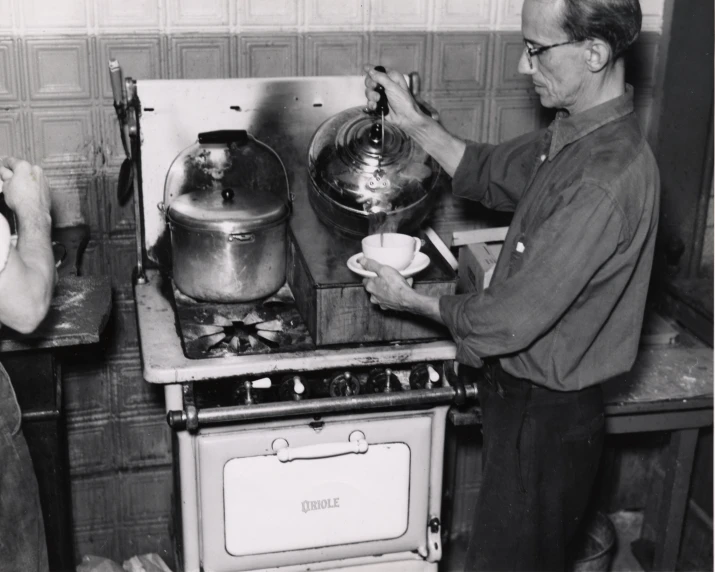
x=212, y=330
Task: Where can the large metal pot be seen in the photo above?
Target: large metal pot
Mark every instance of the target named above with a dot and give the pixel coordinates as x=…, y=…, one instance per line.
x=227, y=209
x=367, y=175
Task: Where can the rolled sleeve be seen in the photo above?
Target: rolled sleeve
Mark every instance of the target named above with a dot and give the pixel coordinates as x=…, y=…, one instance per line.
x=558, y=262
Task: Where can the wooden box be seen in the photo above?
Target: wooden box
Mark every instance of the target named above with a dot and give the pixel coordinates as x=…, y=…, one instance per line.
x=335, y=306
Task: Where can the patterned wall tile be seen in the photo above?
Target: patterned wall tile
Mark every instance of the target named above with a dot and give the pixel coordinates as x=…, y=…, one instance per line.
x=510, y=117
x=120, y=216
x=145, y=496
x=87, y=390
x=93, y=261
x=509, y=15
x=460, y=61
x=70, y=203
x=193, y=14
x=263, y=55
x=101, y=542
x=332, y=53
x=200, y=57
x=275, y=14
x=148, y=539
x=115, y=15
x=133, y=394
x=463, y=117
x=145, y=441
x=396, y=14
x=40, y=15
x=58, y=70
x=139, y=56
x=9, y=78
x=94, y=501
x=403, y=51
x=110, y=141
x=122, y=257
x=63, y=138
x=508, y=50
x=456, y=14
x=92, y=446
x=121, y=332
x=11, y=134
x=9, y=17
x=335, y=14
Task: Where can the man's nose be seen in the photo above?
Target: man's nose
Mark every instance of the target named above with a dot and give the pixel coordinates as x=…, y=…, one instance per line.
x=524, y=67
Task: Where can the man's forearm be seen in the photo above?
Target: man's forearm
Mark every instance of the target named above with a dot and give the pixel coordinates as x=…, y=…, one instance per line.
x=427, y=306
x=446, y=149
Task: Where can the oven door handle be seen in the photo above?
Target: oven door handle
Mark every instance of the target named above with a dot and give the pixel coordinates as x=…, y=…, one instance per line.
x=322, y=450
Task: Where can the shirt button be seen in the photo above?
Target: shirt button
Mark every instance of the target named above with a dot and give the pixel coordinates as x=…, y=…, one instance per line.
x=542, y=158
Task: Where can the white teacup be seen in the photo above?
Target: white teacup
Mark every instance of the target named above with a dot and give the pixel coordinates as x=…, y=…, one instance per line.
x=391, y=248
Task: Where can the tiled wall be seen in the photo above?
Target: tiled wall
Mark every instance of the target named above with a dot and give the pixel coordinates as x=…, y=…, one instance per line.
x=56, y=109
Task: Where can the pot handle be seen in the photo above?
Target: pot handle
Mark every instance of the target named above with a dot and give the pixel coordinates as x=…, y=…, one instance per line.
x=285, y=172
x=224, y=137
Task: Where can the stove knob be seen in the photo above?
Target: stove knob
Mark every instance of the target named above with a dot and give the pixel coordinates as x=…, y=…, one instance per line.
x=344, y=385
x=293, y=388
x=423, y=376
x=382, y=381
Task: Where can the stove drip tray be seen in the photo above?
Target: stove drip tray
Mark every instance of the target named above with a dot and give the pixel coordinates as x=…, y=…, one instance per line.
x=212, y=330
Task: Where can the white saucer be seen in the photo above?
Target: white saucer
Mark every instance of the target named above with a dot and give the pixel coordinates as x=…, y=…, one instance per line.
x=418, y=264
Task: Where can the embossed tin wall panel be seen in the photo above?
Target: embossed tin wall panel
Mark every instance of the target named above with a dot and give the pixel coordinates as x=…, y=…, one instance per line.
x=63, y=138
x=11, y=134
x=201, y=57
x=332, y=53
x=94, y=502
x=152, y=538
x=132, y=15
x=104, y=541
x=119, y=216
x=262, y=55
x=277, y=14
x=87, y=390
x=139, y=56
x=9, y=17
x=145, y=442
x=508, y=50
x=403, y=51
x=464, y=117
x=133, y=394
x=396, y=14
x=121, y=265
x=69, y=199
x=510, y=117
x=145, y=496
x=455, y=14
x=58, y=69
x=194, y=14
x=85, y=439
x=9, y=80
x=509, y=15
x=40, y=15
x=332, y=14
x=459, y=62
x=110, y=139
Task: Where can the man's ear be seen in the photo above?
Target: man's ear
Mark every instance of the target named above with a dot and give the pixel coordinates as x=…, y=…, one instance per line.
x=598, y=55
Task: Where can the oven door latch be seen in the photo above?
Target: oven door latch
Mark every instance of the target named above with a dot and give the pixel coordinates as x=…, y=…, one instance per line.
x=433, y=551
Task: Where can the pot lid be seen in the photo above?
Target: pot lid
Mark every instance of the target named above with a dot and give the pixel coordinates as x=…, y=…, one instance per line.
x=228, y=209
x=365, y=167
x=227, y=181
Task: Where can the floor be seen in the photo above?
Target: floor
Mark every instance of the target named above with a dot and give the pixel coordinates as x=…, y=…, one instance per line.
x=627, y=524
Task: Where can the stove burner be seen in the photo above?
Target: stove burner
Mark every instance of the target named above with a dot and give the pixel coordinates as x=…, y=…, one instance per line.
x=263, y=326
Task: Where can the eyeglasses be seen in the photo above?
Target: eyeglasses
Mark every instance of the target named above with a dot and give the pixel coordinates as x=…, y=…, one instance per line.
x=531, y=51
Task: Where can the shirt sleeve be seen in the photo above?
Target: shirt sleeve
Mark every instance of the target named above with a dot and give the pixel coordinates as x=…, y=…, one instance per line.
x=497, y=175
x=5, y=242
x=557, y=263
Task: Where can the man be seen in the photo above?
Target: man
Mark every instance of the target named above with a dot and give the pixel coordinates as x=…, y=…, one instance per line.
x=27, y=278
x=565, y=306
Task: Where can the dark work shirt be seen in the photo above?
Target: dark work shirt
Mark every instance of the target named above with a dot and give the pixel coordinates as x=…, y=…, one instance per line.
x=565, y=305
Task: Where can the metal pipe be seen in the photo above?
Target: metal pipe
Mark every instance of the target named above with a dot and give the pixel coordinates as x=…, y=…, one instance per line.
x=221, y=415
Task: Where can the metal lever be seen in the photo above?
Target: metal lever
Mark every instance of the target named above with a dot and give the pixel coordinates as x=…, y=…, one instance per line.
x=382, y=106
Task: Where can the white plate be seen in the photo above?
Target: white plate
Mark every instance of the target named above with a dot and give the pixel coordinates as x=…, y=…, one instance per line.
x=418, y=264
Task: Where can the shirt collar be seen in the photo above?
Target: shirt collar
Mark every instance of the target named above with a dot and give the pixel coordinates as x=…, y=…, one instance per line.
x=569, y=128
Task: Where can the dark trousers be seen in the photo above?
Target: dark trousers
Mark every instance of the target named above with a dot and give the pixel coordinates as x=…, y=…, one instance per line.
x=540, y=457
x=22, y=532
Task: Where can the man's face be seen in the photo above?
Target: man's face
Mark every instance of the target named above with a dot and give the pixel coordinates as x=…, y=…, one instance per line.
x=558, y=74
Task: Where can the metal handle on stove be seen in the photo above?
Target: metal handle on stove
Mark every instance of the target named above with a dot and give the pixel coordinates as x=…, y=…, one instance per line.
x=322, y=450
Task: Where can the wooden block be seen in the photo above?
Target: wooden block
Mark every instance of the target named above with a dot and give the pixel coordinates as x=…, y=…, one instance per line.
x=495, y=234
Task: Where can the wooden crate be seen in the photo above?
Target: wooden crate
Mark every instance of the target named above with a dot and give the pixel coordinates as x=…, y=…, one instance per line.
x=337, y=309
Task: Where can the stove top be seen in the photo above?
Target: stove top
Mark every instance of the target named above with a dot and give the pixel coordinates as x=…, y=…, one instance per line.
x=212, y=330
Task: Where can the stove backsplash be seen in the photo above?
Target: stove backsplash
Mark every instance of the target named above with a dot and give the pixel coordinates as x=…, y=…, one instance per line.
x=56, y=109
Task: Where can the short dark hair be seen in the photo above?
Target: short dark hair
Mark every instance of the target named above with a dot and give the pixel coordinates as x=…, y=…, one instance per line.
x=617, y=22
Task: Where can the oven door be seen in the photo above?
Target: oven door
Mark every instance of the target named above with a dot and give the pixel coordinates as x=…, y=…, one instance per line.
x=293, y=493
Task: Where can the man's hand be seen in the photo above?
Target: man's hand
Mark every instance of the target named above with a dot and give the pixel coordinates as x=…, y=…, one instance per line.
x=25, y=188
x=404, y=111
x=388, y=289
